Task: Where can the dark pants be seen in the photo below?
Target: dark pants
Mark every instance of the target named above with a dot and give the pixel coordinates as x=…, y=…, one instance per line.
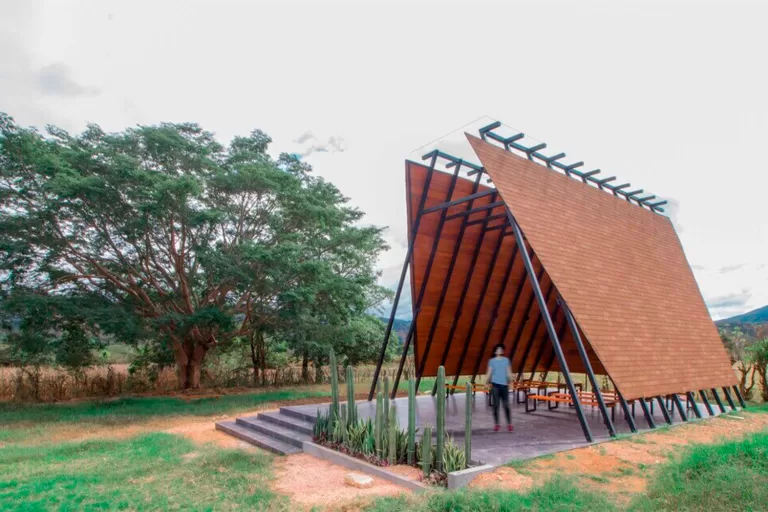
x=500, y=394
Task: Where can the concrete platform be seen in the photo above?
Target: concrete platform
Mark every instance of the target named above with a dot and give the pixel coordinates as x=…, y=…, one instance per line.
x=536, y=433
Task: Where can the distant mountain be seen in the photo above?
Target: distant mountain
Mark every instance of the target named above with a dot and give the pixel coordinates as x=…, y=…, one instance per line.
x=400, y=326
x=757, y=316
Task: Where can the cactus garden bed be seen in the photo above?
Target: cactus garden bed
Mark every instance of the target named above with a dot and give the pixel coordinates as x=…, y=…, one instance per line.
x=382, y=441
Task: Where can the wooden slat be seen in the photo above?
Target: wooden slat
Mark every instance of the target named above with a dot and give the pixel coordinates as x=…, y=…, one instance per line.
x=624, y=275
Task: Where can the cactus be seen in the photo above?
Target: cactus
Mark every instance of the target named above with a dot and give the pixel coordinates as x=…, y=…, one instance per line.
x=392, y=431
x=411, y=421
x=334, y=387
x=468, y=425
x=344, y=426
x=426, y=452
x=440, y=420
x=386, y=396
x=351, y=406
x=379, y=427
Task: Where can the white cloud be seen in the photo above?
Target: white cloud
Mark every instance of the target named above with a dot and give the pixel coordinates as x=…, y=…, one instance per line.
x=681, y=114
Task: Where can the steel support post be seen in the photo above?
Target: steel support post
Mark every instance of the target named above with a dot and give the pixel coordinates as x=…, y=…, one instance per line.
x=423, y=288
x=478, y=308
x=679, y=405
x=495, y=313
x=515, y=302
x=587, y=366
x=664, y=410
x=460, y=306
x=543, y=346
x=647, y=413
x=550, y=327
x=694, y=405
x=627, y=412
x=739, y=397
x=728, y=397
x=398, y=292
x=534, y=331
x=704, y=399
x=446, y=283
x=717, y=399
x=528, y=309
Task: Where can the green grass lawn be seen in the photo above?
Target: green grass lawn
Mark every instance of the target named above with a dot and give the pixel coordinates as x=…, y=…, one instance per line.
x=151, y=472
x=123, y=410
x=160, y=471
x=724, y=477
x=558, y=494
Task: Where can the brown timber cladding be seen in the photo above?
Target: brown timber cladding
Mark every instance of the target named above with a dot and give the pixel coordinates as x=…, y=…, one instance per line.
x=622, y=271
x=523, y=320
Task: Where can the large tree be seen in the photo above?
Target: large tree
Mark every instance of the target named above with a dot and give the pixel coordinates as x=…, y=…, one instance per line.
x=188, y=242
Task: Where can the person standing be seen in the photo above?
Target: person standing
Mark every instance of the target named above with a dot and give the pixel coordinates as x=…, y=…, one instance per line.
x=498, y=378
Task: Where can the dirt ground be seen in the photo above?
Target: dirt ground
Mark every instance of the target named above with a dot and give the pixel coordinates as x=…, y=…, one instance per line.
x=310, y=483
x=622, y=467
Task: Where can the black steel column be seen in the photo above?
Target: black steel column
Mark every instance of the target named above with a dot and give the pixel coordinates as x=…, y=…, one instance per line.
x=527, y=315
x=728, y=397
x=664, y=410
x=396, y=301
x=465, y=289
x=495, y=313
x=627, y=413
x=550, y=327
x=694, y=405
x=534, y=331
x=647, y=413
x=479, y=307
x=738, y=395
x=549, y=366
x=717, y=399
x=587, y=366
x=543, y=346
x=679, y=405
x=446, y=283
x=427, y=271
x=704, y=398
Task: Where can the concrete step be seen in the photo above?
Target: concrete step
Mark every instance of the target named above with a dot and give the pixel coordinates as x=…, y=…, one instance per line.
x=256, y=438
x=283, y=434
x=293, y=413
x=295, y=424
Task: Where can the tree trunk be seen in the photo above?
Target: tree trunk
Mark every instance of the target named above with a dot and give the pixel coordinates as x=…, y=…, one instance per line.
x=189, y=357
x=254, y=359
x=305, y=367
x=262, y=350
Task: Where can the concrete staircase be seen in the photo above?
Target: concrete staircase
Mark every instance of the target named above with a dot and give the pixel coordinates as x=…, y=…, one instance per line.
x=282, y=432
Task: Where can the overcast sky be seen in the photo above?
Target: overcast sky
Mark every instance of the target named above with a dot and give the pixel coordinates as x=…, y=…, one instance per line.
x=672, y=96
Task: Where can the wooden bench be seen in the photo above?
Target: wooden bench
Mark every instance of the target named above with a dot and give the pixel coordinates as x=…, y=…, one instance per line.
x=557, y=398
x=553, y=397
x=523, y=387
x=475, y=389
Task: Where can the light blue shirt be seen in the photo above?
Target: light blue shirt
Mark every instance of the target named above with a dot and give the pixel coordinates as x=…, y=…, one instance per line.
x=499, y=367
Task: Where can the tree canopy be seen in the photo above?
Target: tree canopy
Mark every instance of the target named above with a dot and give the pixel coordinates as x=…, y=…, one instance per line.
x=162, y=233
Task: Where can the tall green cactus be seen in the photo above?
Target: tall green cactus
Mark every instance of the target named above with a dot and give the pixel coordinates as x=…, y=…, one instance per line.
x=386, y=396
x=411, y=420
x=351, y=406
x=379, y=426
x=426, y=451
x=468, y=425
x=440, y=423
x=344, y=426
x=392, y=431
x=334, y=387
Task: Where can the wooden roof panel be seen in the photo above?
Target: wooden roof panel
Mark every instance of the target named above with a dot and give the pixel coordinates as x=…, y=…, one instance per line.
x=623, y=273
